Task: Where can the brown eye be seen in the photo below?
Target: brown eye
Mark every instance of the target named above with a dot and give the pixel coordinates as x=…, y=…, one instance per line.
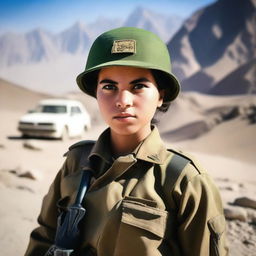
x=109, y=87
x=139, y=86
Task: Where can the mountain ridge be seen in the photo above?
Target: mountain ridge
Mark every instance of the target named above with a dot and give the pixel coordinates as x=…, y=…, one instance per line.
x=41, y=45
x=210, y=49
x=212, y=43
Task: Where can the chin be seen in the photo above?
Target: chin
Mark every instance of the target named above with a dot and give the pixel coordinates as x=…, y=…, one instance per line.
x=129, y=130
x=124, y=131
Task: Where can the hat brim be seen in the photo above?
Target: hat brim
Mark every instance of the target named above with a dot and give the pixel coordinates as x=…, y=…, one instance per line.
x=86, y=84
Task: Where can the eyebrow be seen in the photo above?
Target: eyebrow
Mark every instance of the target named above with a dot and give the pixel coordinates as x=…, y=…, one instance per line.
x=139, y=80
x=109, y=81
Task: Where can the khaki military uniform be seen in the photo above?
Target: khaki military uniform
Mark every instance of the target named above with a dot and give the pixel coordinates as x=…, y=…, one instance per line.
x=131, y=207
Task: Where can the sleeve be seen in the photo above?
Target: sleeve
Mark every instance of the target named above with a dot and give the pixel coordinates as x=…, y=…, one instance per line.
x=201, y=222
x=43, y=236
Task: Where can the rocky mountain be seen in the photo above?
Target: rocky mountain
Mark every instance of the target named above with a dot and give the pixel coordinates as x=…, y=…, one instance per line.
x=213, y=52
x=75, y=39
x=213, y=43
x=33, y=46
x=103, y=24
x=162, y=25
x=39, y=45
x=240, y=81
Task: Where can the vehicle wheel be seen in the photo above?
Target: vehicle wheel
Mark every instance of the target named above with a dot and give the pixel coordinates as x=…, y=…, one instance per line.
x=65, y=134
x=24, y=136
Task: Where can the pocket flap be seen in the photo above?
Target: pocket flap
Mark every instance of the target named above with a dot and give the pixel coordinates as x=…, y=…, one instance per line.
x=217, y=225
x=145, y=217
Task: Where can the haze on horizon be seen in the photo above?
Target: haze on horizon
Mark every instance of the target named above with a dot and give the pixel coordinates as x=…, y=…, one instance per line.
x=56, y=15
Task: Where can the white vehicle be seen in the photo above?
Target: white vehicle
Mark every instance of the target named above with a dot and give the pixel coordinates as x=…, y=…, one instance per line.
x=55, y=118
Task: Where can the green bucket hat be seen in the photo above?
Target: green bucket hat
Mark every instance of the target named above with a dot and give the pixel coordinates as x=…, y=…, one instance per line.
x=129, y=46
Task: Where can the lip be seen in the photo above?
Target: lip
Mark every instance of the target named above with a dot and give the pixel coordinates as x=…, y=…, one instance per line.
x=124, y=116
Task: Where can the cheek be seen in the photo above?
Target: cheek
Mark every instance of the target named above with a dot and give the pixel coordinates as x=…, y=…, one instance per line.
x=152, y=99
x=104, y=104
x=101, y=103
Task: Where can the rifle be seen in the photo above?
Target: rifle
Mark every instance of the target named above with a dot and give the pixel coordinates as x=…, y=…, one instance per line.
x=67, y=233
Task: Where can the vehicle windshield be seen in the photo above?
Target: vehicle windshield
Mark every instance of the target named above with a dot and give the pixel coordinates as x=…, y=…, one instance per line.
x=57, y=109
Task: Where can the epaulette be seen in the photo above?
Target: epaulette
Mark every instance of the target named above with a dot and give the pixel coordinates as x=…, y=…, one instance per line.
x=189, y=157
x=179, y=152
x=79, y=144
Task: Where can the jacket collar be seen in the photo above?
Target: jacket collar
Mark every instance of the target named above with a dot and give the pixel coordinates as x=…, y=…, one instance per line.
x=102, y=147
x=151, y=149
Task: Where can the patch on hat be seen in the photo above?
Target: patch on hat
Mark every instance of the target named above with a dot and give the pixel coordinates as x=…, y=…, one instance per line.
x=124, y=46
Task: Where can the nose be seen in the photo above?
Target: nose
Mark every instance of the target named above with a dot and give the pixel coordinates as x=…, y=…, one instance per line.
x=124, y=99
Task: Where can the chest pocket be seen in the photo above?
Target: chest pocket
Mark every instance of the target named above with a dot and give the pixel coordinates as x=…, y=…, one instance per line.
x=142, y=229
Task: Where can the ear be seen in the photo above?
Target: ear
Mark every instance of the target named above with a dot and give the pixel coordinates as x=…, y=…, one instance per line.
x=161, y=98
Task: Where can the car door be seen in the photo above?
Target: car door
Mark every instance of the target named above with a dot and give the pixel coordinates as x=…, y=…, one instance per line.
x=76, y=121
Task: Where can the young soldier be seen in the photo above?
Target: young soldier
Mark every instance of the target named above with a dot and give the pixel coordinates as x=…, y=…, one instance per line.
x=143, y=199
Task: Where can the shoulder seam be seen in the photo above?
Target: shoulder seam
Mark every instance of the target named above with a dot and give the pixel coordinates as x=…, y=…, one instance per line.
x=190, y=159
x=79, y=144
x=180, y=154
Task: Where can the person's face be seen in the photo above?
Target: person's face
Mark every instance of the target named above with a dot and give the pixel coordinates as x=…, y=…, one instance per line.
x=127, y=99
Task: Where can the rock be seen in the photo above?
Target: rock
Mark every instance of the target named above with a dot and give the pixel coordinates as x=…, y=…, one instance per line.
x=248, y=242
x=16, y=171
x=13, y=171
x=231, y=113
x=231, y=187
x=31, y=145
x=241, y=185
x=235, y=213
x=251, y=114
x=245, y=202
x=223, y=179
x=26, y=173
x=25, y=188
x=30, y=174
x=252, y=216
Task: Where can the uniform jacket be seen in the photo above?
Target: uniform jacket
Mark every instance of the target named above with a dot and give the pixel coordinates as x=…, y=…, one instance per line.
x=131, y=208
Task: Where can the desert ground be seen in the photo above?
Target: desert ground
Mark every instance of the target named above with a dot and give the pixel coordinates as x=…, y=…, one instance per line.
x=219, y=131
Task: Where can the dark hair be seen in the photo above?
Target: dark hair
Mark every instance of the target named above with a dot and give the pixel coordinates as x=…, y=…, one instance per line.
x=91, y=82
x=161, y=81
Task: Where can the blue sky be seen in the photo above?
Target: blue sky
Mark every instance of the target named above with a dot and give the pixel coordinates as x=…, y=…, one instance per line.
x=56, y=15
